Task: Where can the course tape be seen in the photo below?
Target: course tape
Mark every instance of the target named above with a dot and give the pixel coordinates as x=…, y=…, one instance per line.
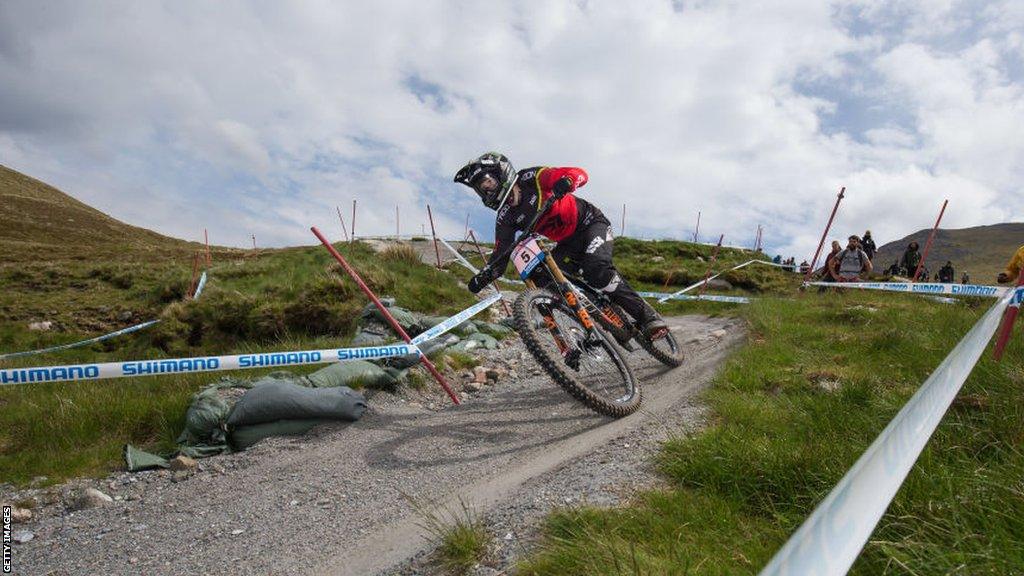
x=120, y=332
x=462, y=260
x=1017, y=298
x=135, y=368
x=455, y=320
x=833, y=535
x=921, y=288
x=200, y=286
x=115, y=334
x=666, y=297
x=662, y=297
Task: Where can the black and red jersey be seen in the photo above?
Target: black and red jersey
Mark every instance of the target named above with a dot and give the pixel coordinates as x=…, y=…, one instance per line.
x=535, y=187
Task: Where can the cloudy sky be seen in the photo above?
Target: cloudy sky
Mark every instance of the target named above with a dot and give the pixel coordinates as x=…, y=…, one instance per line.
x=260, y=117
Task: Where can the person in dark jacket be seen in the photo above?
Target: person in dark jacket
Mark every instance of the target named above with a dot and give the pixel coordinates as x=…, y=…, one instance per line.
x=582, y=232
x=946, y=273
x=911, y=258
x=867, y=244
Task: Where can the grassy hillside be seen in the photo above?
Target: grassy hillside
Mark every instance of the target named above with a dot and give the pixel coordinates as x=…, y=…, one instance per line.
x=982, y=251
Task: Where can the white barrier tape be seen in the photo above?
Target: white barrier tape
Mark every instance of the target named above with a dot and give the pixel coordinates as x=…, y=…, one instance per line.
x=1018, y=296
x=200, y=286
x=137, y=368
x=470, y=267
x=120, y=332
x=662, y=297
x=667, y=297
x=455, y=320
x=458, y=256
x=833, y=535
x=921, y=288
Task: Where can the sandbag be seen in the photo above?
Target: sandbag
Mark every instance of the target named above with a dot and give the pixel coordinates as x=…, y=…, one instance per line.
x=245, y=436
x=406, y=319
x=204, y=417
x=282, y=400
x=353, y=373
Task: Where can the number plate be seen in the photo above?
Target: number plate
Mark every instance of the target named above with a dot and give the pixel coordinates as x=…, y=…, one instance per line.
x=527, y=256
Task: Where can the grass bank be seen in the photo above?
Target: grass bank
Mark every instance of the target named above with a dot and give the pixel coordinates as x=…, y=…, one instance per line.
x=818, y=380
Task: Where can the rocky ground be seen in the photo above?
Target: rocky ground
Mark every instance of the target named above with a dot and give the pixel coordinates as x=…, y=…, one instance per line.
x=349, y=498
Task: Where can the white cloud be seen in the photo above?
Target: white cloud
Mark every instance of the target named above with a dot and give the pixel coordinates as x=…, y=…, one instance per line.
x=261, y=118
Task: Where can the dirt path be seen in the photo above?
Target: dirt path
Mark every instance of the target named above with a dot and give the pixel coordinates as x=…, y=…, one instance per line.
x=337, y=501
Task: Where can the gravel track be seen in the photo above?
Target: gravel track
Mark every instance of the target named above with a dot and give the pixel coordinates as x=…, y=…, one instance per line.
x=340, y=500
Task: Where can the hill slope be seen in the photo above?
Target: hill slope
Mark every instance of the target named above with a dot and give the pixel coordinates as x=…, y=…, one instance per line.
x=41, y=222
x=982, y=250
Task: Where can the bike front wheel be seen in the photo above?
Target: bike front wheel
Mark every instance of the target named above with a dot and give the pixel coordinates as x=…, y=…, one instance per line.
x=586, y=364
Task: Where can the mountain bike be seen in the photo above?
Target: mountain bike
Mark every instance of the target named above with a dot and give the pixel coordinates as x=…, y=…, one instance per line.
x=558, y=330
x=623, y=327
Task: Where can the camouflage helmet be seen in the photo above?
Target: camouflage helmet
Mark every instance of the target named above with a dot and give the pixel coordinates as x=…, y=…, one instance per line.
x=489, y=164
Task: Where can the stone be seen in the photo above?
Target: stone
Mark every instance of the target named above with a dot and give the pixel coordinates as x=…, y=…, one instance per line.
x=236, y=532
x=90, y=498
x=23, y=537
x=473, y=387
x=657, y=259
x=182, y=462
x=719, y=284
x=496, y=374
x=43, y=326
x=124, y=316
x=180, y=476
x=20, y=515
x=720, y=333
x=480, y=374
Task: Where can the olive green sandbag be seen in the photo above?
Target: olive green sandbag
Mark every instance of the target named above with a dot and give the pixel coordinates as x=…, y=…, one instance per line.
x=355, y=374
x=245, y=436
x=274, y=400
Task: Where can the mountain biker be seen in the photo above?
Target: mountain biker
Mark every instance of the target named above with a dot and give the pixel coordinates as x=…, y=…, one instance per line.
x=582, y=232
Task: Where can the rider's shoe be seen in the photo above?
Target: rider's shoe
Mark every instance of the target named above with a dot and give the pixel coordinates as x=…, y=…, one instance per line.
x=655, y=328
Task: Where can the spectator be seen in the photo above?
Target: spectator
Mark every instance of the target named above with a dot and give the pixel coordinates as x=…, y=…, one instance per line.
x=868, y=245
x=849, y=264
x=1012, y=267
x=946, y=273
x=894, y=270
x=825, y=272
x=923, y=276
x=804, y=267
x=777, y=259
x=965, y=279
x=911, y=258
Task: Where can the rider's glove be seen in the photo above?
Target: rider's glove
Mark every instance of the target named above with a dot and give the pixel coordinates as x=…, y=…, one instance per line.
x=562, y=187
x=483, y=278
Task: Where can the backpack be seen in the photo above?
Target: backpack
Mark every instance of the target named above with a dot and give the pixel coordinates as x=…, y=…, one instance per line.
x=842, y=256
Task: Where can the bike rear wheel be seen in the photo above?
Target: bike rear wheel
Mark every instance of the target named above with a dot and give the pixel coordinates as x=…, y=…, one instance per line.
x=591, y=368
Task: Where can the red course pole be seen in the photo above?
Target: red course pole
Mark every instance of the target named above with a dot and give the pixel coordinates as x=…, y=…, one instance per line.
x=195, y=275
x=433, y=233
x=929, y=243
x=814, y=262
x=1006, y=328
x=206, y=237
x=495, y=283
x=383, y=310
x=353, y=221
x=343, y=230
x=714, y=256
